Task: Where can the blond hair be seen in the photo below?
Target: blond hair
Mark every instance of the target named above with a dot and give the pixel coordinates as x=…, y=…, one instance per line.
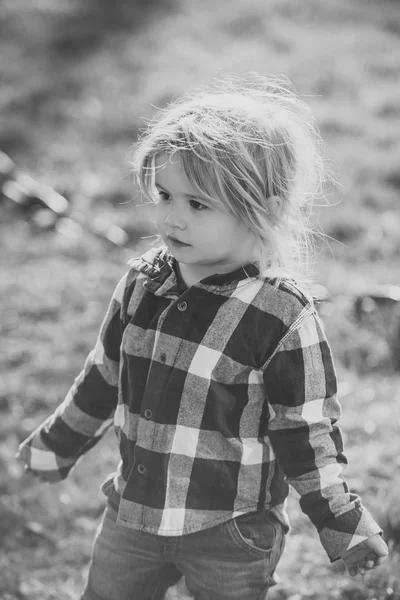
x=249, y=146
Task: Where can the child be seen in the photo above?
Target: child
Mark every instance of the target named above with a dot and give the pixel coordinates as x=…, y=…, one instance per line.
x=212, y=363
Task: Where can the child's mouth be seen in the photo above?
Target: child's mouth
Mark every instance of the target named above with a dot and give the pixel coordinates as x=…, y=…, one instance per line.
x=176, y=242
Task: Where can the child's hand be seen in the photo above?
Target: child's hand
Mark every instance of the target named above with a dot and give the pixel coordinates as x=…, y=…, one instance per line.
x=365, y=556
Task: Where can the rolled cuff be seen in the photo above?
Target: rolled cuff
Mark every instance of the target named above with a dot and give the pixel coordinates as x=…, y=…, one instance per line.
x=43, y=463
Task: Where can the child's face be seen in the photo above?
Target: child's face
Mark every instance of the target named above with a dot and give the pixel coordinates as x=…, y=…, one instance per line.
x=204, y=239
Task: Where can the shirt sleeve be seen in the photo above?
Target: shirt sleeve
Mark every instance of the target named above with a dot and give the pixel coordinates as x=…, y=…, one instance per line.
x=301, y=388
x=81, y=420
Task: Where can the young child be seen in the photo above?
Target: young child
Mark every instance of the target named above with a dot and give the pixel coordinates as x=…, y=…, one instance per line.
x=212, y=363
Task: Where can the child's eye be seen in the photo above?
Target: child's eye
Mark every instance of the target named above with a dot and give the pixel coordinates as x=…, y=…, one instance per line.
x=198, y=206
x=163, y=196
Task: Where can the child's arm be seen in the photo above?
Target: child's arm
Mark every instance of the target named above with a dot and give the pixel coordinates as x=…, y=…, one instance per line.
x=301, y=389
x=86, y=413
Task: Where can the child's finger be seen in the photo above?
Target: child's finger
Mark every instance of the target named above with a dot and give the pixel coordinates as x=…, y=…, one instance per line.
x=377, y=545
x=374, y=561
x=370, y=564
x=370, y=560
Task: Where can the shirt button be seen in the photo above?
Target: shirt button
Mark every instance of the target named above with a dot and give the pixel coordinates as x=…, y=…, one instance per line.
x=163, y=357
x=141, y=469
x=182, y=306
x=147, y=413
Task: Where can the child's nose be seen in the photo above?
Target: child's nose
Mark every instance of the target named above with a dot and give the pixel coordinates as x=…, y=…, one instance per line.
x=174, y=219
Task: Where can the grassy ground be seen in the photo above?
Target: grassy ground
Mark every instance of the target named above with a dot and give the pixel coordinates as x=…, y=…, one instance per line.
x=77, y=78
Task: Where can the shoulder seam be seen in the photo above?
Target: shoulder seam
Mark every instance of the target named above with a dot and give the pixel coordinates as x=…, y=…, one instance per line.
x=309, y=309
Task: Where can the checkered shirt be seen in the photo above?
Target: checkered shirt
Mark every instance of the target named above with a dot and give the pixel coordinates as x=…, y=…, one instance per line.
x=220, y=396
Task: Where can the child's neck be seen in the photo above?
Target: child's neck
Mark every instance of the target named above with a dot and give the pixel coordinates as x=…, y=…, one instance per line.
x=191, y=274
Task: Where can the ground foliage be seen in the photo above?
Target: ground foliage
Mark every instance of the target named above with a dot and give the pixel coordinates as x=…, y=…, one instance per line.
x=77, y=79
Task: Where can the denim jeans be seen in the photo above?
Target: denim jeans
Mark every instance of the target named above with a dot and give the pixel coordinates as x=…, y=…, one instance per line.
x=231, y=561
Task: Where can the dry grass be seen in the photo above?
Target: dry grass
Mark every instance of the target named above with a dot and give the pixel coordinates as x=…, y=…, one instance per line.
x=78, y=77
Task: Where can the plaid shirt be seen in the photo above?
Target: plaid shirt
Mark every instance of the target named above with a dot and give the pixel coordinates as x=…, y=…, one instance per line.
x=220, y=396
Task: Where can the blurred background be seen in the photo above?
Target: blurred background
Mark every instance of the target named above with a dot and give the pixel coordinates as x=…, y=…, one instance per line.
x=79, y=78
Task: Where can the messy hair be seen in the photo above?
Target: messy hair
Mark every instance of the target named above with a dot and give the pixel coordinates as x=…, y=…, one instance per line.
x=246, y=144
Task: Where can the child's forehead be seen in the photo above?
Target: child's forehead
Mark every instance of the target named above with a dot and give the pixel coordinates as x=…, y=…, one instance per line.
x=167, y=164
x=163, y=159
x=170, y=174
x=169, y=170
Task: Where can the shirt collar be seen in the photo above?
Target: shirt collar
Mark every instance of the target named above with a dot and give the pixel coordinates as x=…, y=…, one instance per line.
x=161, y=269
